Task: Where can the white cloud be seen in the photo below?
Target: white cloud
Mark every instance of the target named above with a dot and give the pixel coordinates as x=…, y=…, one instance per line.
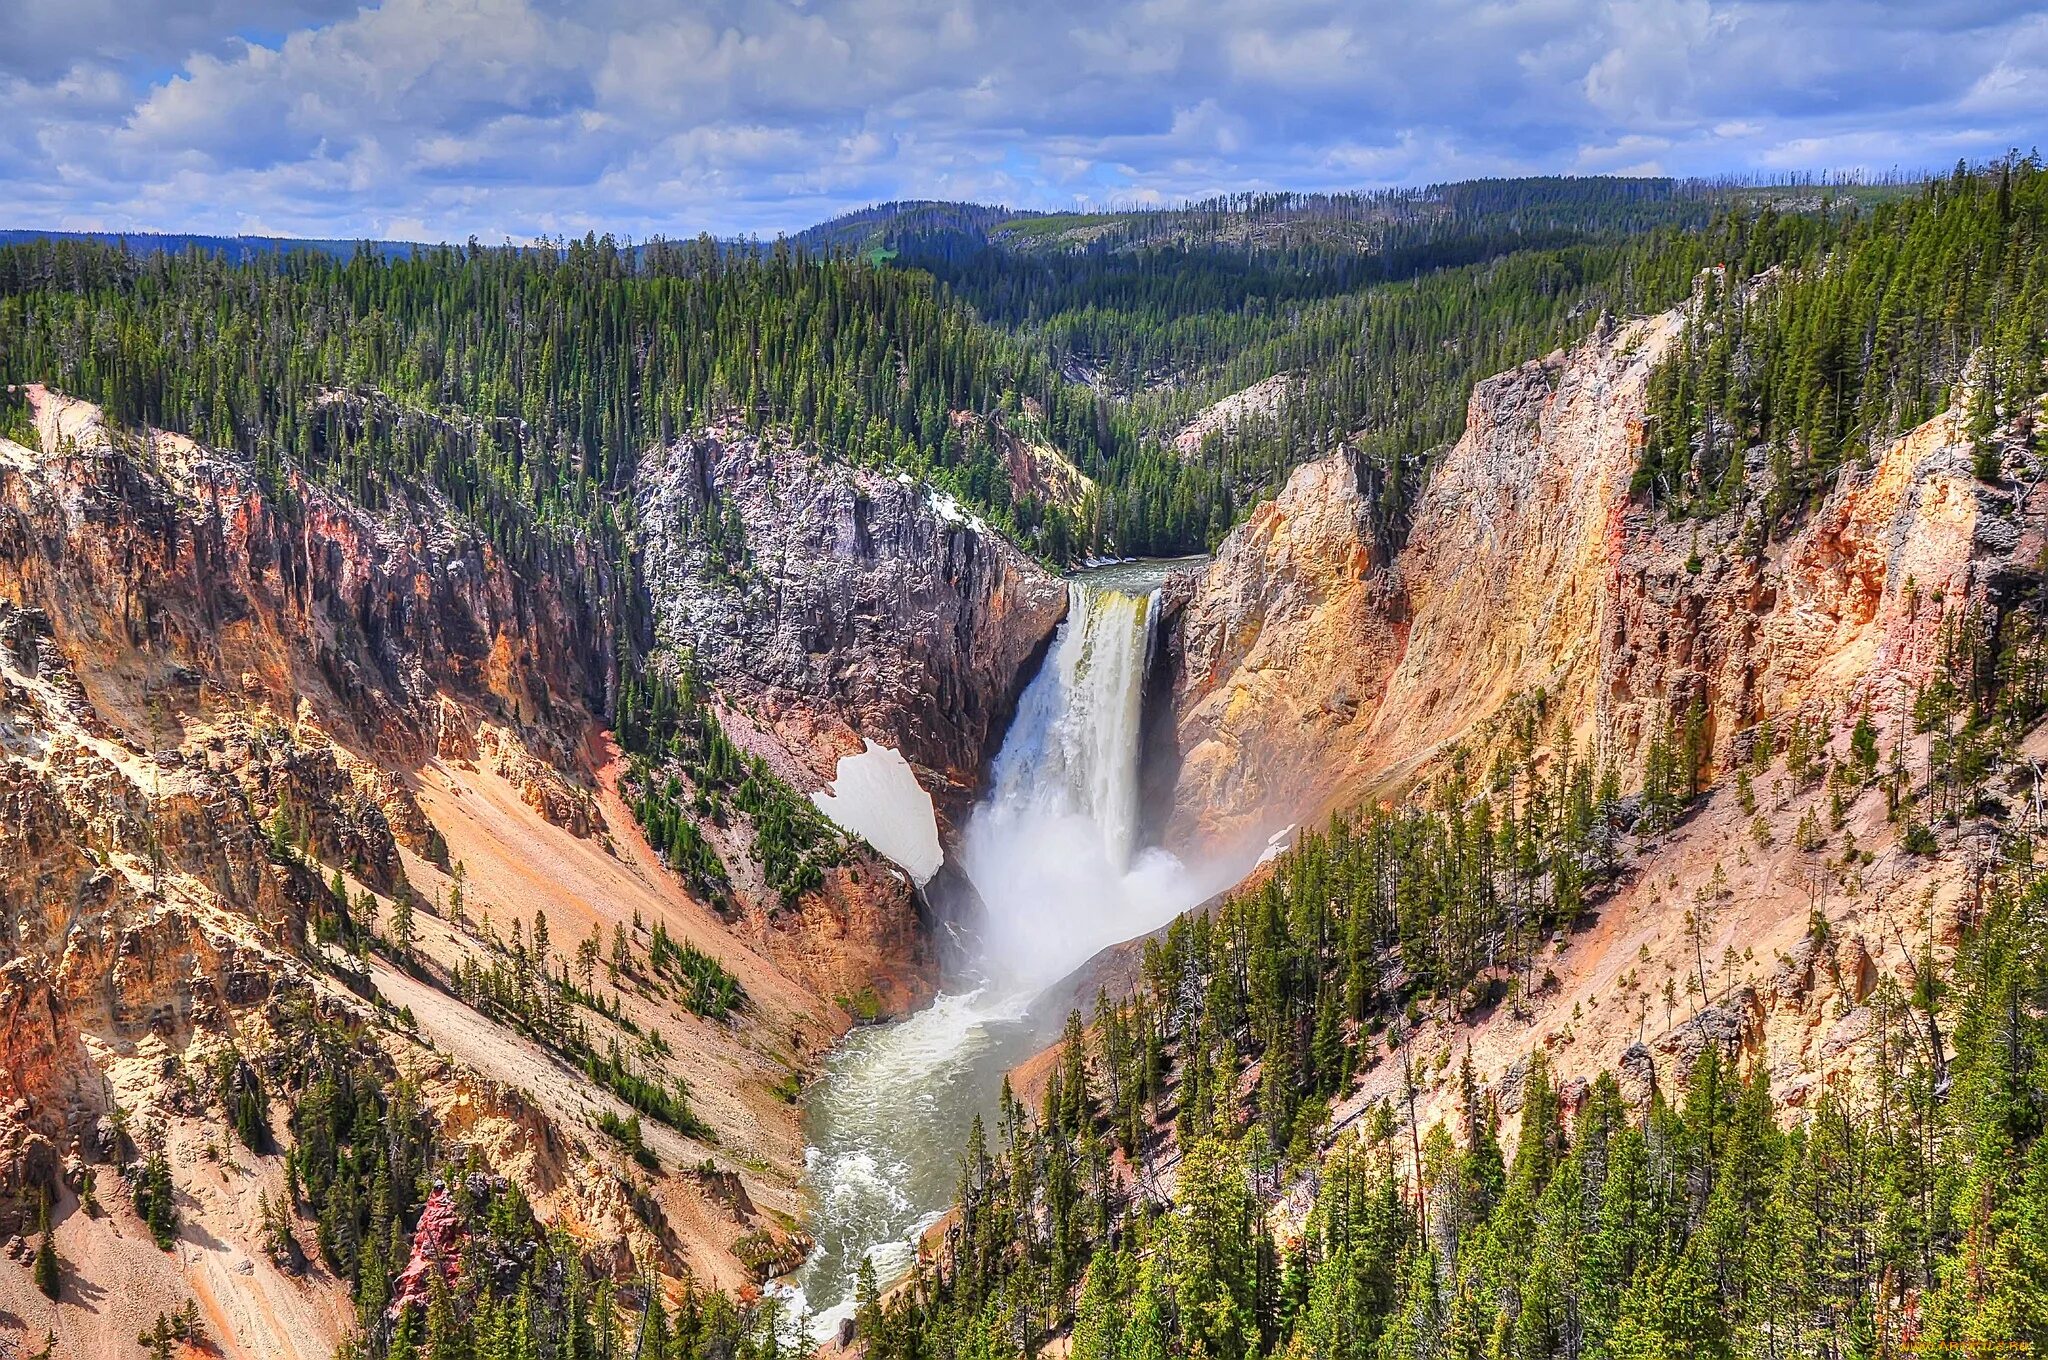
x=517, y=117
x=1322, y=55
x=2015, y=84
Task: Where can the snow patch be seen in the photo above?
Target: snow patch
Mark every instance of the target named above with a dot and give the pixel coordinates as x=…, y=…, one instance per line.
x=947, y=507
x=875, y=795
x=1276, y=844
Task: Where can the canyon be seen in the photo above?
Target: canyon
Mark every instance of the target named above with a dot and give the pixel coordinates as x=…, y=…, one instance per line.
x=1537, y=607
x=241, y=712
x=244, y=714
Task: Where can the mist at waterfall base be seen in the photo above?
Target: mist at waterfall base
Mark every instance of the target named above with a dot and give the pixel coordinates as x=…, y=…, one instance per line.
x=1052, y=852
x=1052, y=848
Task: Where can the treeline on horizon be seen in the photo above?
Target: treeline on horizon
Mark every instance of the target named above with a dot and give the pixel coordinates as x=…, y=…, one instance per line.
x=524, y=383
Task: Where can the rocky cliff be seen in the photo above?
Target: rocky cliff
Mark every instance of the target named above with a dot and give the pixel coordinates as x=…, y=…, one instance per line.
x=1308, y=667
x=182, y=587
x=244, y=722
x=834, y=603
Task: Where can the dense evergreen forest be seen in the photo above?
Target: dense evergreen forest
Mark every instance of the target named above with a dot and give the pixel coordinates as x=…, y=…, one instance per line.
x=523, y=383
x=1382, y=309
x=1816, y=353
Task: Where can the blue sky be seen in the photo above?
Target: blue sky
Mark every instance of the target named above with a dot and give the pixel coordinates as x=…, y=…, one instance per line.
x=438, y=119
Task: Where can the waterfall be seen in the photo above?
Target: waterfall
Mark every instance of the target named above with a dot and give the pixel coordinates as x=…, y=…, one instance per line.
x=1053, y=853
x=1072, y=749
x=1052, y=849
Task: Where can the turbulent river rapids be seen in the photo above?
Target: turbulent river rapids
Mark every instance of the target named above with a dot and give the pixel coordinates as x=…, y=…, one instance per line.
x=1053, y=852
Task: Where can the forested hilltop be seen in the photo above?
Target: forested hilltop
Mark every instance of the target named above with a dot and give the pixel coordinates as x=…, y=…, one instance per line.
x=526, y=382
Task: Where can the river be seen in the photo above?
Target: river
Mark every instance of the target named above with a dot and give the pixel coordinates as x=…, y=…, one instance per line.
x=1052, y=851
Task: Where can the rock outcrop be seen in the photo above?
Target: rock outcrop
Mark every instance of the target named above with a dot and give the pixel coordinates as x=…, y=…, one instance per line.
x=180, y=582
x=836, y=603
x=1274, y=655
x=437, y=1242
x=1037, y=470
x=1308, y=667
x=1255, y=403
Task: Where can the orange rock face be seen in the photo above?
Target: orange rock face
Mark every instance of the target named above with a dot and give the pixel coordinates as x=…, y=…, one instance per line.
x=222, y=692
x=1279, y=652
x=1309, y=667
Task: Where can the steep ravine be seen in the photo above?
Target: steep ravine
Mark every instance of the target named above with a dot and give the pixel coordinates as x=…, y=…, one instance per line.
x=215, y=698
x=1053, y=849
x=221, y=693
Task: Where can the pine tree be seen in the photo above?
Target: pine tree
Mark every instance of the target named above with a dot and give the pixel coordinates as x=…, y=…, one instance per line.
x=403, y=932
x=1213, y=1241
x=47, y=1278
x=156, y=1199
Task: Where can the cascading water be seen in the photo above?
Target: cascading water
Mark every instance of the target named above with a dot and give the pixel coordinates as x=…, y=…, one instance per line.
x=1051, y=848
x=1052, y=851
x=1072, y=749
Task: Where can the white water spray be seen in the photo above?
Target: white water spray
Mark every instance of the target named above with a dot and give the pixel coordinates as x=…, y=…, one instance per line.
x=1073, y=746
x=1053, y=852
x=1053, y=849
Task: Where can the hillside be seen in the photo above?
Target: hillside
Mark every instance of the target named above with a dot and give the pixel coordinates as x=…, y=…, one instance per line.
x=1652, y=968
x=309, y=798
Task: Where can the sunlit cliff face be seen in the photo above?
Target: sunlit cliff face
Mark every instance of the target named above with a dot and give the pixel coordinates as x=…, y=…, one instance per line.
x=1310, y=667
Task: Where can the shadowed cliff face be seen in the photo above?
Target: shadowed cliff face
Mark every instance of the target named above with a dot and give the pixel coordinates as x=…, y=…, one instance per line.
x=843, y=604
x=1307, y=670
x=179, y=586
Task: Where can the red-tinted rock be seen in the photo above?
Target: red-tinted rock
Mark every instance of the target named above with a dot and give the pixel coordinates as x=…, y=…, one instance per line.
x=436, y=1245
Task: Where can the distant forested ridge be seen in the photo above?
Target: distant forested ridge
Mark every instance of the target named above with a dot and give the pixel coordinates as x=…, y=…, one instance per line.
x=524, y=382
x=234, y=249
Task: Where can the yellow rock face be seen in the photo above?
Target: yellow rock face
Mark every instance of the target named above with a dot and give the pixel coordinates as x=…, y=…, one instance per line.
x=1311, y=668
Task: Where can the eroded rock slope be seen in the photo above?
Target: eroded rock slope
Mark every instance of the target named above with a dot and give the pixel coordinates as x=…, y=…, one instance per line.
x=1308, y=666
x=835, y=603
x=247, y=728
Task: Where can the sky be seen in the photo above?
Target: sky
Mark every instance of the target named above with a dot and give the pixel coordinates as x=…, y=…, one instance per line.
x=513, y=119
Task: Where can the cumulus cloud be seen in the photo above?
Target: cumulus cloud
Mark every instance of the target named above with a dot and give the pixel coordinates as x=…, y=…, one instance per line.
x=443, y=118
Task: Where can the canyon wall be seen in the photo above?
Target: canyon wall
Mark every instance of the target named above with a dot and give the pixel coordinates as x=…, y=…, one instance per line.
x=1307, y=667
x=176, y=579
x=832, y=603
x=237, y=709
